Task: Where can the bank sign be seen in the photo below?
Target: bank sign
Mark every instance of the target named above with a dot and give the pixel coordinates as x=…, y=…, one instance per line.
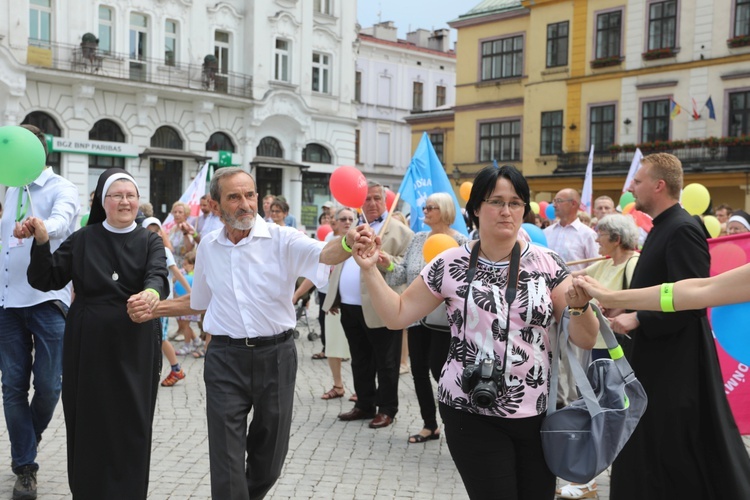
x=98, y=148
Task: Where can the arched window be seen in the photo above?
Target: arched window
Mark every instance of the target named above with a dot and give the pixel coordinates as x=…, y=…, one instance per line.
x=316, y=153
x=269, y=147
x=108, y=131
x=219, y=141
x=47, y=125
x=166, y=137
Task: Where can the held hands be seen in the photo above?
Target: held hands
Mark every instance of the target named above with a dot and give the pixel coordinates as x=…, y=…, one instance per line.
x=33, y=226
x=576, y=296
x=141, y=306
x=187, y=229
x=593, y=289
x=366, y=249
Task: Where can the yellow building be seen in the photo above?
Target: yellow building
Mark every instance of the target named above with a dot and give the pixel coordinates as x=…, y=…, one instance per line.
x=539, y=82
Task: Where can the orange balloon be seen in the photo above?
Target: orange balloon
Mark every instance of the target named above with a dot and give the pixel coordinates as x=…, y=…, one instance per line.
x=628, y=208
x=436, y=244
x=465, y=191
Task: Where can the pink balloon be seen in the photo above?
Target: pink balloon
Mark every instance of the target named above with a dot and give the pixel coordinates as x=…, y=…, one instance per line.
x=323, y=231
x=543, y=209
x=390, y=197
x=726, y=257
x=349, y=186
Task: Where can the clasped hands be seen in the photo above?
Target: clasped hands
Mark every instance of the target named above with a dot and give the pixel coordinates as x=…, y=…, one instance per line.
x=141, y=306
x=588, y=288
x=366, y=249
x=33, y=226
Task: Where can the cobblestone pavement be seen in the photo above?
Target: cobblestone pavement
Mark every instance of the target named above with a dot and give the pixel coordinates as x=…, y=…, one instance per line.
x=327, y=459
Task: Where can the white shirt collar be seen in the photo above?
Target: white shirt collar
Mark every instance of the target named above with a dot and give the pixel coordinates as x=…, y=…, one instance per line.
x=119, y=230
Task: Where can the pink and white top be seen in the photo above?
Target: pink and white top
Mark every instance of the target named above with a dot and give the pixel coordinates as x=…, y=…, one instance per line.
x=529, y=357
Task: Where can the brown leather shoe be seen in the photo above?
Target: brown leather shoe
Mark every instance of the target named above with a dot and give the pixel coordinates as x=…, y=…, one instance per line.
x=381, y=420
x=355, y=414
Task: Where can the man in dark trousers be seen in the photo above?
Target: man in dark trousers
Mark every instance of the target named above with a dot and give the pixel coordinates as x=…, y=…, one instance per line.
x=687, y=444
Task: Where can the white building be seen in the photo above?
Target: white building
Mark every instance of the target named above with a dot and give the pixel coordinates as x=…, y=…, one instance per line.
x=158, y=87
x=395, y=78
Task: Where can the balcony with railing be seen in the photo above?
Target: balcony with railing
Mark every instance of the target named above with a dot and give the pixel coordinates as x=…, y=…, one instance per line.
x=720, y=155
x=87, y=58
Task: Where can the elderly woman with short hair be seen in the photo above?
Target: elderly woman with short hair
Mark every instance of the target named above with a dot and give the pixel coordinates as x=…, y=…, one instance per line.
x=428, y=348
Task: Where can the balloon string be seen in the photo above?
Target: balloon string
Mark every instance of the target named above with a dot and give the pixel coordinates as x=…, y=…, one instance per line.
x=31, y=203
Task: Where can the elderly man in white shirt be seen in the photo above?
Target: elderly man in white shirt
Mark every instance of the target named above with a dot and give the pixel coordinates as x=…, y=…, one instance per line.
x=32, y=323
x=244, y=280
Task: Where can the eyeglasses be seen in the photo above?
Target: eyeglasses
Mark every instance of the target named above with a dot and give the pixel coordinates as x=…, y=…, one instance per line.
x=500, y=204
x=118, y=197
x=276, y=212
x=557, y=201
x=346, y=219
x=429, y=208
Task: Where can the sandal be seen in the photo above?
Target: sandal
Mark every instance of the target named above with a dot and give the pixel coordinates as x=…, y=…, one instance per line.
x=353, y=398
x=575, y=491
x=319, y=355
x=419, y=438
x=333, y=393
x=199, y=353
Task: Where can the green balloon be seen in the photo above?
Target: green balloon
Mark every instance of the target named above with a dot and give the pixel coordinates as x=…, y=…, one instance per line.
x=625, y=199
x=22, y=156
x=84, y=220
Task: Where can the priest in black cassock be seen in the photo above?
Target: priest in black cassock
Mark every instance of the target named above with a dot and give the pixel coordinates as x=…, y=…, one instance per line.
x=111, y=365
x=687, y=444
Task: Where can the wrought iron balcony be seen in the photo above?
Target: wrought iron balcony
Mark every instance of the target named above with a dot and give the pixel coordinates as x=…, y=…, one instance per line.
x=701, y=159
x=88, y=59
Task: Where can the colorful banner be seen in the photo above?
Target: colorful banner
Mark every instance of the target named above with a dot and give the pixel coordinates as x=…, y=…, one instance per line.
x=729, y=252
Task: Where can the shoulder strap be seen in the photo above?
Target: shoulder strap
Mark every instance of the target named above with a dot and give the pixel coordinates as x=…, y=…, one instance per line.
x=625, y=284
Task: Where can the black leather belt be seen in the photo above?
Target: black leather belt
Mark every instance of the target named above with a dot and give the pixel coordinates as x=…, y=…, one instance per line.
x=255, y=341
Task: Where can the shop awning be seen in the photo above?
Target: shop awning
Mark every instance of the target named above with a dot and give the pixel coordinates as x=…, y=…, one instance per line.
x=268, y=161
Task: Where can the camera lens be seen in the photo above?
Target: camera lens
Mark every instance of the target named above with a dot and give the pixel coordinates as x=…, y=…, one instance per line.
x=484, y=394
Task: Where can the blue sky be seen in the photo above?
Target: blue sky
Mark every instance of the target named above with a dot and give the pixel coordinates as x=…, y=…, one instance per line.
x=408, y=15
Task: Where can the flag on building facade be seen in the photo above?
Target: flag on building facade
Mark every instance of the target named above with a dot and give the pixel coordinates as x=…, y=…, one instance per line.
x=696, y=113
x=192, y=195
x=588, y=183
x=424, y=177
x=674, y=109
x=710, y=106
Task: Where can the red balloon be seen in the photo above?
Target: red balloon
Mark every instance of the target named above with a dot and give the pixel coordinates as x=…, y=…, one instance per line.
x=349, y=186
x=543, y=209
x=323, y=231
x=390, y=197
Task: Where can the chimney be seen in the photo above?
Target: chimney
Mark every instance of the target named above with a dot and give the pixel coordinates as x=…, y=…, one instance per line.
x=385, y=31
x=440, y=40
x=420, y=38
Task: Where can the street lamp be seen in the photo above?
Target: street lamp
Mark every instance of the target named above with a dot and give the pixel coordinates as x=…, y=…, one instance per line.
x=456, y=174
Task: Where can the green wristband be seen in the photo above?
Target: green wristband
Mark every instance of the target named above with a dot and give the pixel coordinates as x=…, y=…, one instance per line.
x=153, y=291
x=667, y=298
x=344, y=245
x=390, y=267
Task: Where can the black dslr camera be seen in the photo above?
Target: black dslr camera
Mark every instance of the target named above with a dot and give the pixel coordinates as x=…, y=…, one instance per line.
x=482, y=382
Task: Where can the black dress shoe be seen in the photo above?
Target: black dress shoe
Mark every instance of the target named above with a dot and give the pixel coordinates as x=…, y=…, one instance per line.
x=381, y=420
x=356, y=414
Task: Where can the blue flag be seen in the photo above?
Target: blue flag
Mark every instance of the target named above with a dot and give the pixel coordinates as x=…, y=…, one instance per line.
x=424, y=177
x=710, y=106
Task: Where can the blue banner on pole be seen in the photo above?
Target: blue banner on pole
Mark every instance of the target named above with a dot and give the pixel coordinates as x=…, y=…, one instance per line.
x=424, y=177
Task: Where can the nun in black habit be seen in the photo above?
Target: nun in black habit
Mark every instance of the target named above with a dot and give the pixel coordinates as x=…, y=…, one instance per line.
x=111, y=365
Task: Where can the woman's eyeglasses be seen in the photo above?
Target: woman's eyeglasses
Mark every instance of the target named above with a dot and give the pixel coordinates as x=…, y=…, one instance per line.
x=346, y=219
x=500, y=204
x=118, y=197
x=429, y=208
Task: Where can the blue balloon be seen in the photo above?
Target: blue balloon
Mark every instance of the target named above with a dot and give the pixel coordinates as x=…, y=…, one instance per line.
x=550, y=212
x=726, y=321
x=536, y=234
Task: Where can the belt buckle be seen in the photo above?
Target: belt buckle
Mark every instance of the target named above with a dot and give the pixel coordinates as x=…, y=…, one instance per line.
x=247, y=342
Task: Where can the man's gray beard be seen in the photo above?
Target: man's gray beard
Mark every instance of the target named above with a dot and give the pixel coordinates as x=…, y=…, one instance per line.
x=235, y=223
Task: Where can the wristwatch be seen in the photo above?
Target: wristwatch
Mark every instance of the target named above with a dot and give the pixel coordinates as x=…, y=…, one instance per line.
x=577, y=311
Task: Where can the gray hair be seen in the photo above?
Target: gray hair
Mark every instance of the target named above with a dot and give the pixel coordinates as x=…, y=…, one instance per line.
x=622, y=227
x=215, y=189
x=373, y=184
x=444, y=201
